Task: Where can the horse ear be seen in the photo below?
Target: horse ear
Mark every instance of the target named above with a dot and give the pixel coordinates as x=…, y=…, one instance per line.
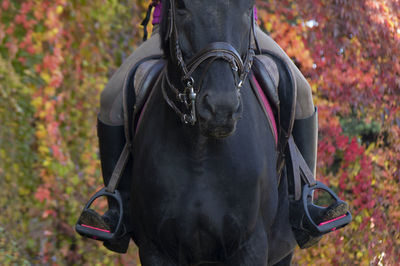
x=166, y=25
x=171, y=18
x=170, y=24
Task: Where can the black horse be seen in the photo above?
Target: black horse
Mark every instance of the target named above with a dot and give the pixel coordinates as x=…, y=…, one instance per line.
x=205, y=186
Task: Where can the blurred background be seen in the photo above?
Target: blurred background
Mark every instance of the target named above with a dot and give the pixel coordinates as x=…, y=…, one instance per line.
x=57, y=55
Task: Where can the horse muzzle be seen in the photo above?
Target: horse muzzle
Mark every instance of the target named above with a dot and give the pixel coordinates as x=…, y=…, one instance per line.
x=219, y=114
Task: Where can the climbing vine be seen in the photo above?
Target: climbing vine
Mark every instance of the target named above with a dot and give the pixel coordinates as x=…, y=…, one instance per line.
x=55, y=58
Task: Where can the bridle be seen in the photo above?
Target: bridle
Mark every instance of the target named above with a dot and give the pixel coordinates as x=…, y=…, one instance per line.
x=187, y=95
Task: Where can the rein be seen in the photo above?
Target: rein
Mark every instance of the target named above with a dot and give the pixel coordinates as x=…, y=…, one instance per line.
x=187, y=94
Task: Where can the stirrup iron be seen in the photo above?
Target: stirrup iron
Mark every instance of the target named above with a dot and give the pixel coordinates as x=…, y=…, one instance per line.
x=98, y=233
x=111, y=192
x=301, y=218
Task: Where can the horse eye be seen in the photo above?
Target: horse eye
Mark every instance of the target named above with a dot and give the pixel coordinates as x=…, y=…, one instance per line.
x=180, y=4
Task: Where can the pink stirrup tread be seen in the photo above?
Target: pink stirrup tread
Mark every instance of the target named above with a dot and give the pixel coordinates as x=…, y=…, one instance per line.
x=334, y=219
x=95, y=228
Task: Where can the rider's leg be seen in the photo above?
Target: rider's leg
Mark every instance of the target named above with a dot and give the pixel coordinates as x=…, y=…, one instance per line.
x=112, y=140
x=305, y=131
x=305, y=134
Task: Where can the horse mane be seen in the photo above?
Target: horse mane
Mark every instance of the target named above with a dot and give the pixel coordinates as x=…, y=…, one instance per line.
x=164, y=27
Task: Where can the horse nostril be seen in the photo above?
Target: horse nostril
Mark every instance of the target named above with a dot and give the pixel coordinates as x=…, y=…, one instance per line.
x=205, y=108
x=220, y=107
x=237, y=114
x=208, y=104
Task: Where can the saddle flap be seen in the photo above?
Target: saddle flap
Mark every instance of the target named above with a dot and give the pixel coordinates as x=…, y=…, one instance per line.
x=144, y=79
x=136, y=89
x=267, y=75
x=278, y=84
x=287, y=95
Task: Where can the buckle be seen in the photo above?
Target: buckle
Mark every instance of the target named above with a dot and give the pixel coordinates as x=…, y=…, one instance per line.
x=300, y=212
x=98, y=233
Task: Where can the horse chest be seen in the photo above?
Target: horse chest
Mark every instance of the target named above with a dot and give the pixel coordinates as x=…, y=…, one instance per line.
x=201, y=205
x=229, y=177
x=195, y=196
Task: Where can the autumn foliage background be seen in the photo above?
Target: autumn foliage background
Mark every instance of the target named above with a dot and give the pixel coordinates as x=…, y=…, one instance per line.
x=56, y=57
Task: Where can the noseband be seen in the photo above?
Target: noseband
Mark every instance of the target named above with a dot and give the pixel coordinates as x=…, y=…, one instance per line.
x=187, y=95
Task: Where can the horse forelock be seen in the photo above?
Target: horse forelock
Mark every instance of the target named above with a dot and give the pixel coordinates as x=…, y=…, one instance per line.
x=164, y=26
x=219, y=15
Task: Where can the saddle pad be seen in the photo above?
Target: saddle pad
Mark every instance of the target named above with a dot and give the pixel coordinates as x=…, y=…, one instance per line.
x=266, y=107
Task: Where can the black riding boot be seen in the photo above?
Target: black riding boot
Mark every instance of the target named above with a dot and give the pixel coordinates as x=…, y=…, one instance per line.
x=111, y=144
x=305, y=134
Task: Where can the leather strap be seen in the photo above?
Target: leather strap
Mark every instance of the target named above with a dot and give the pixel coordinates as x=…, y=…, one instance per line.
x=216, y=49
x=119, y=168
x=300, y=169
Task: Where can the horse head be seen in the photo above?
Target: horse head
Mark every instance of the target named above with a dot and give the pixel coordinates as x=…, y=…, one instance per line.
x=208, y=45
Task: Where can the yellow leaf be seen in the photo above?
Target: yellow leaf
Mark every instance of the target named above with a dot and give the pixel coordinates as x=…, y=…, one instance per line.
x=37, y=102
x=49, y=90
x=23, y=191
x=45, y=76
x=59, y=9
x=43, y=150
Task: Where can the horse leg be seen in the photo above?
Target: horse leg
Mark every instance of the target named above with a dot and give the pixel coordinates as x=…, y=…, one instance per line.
x=151, y=256
x=286, y=261
x=254, y=252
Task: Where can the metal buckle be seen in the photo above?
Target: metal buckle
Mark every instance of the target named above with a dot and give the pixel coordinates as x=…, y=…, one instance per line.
x=97, y=233
x=301, y=217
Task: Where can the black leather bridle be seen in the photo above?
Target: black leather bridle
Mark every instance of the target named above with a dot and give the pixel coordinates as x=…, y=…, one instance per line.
x=187, y=94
